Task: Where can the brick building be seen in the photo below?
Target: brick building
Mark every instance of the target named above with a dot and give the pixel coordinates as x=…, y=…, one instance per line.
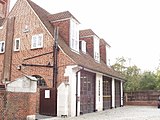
x=73, y=77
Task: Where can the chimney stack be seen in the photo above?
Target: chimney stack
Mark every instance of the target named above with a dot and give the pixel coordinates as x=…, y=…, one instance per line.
x=4, y=8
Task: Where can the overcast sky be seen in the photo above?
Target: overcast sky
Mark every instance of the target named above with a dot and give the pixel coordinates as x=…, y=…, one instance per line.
x=131, y=27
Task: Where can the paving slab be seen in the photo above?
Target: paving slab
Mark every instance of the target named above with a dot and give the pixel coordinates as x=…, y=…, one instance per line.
x=121, y=113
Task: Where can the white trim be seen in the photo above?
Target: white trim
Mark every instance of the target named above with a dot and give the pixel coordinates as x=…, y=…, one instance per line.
x=60, y=20
x=113, y=92
x=87, y=36
x=3, y=46
x=121, y=93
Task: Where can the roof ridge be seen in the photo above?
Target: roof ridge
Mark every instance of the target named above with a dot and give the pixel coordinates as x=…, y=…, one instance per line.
x=39, y=7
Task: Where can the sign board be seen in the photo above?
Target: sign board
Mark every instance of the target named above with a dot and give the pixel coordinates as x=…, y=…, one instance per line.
x=47, y=93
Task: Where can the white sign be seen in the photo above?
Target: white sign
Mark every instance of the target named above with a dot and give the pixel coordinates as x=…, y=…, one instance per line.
x=47, y=93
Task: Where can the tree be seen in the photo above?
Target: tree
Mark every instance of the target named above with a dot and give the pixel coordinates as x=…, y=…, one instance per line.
x=133, y=77
x=119, y=65
x=148, y=81
x=131, y=73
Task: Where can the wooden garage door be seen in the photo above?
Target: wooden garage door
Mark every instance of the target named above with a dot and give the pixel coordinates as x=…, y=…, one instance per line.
x=117, y=94
x=87, y=97
x=107, y=94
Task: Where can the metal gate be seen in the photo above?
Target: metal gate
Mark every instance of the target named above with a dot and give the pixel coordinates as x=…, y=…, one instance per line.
x=117, y=94
x=87, y=99
x=107, y=93
x=48, y=102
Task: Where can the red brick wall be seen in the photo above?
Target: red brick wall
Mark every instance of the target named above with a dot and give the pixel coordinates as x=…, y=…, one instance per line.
x=25, y=16
x=64, y=29
x=103, y=53
x=89, y=42
x=4, y=8
x=142, y=103
x=17, y=105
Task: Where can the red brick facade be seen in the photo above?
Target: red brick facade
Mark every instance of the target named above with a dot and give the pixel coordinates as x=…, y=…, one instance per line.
x=64, y=29
x=89, y=43
x=39, y=61
x=17, y=105
x=4, y=8
x=24, y=15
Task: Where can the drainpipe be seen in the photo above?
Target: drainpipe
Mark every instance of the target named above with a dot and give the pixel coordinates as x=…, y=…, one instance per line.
x=55, y=60
x=55, y=66
x=77, y=91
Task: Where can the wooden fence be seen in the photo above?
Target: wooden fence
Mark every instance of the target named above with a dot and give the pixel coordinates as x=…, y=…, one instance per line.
x=142, y=98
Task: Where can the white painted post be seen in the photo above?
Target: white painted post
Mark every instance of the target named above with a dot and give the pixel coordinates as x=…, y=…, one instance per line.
x=113, y=93
x=99, y=92
x=121, y=93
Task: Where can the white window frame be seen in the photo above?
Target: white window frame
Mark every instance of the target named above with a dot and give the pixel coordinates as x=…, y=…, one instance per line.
x=1, y=46
x=15, y=44
x=83, y=46
x=96, y=49
x=74, y=35
x=35, y=41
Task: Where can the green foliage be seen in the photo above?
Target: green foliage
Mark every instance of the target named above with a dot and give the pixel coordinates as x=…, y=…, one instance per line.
x=148, y=81
x=135, y=79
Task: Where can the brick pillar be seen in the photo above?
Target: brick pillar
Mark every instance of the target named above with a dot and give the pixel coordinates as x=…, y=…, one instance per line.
x=6, y=75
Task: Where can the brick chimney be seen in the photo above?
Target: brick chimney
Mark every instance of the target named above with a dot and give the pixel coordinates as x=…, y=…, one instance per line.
x=103, y=50
x=4, y=8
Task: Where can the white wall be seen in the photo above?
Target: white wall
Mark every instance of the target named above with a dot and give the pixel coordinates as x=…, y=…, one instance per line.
x=66, y=101
x=23, y=84
x=121, y=93
x=99, y=92
x=62, y=100
x=113, y=93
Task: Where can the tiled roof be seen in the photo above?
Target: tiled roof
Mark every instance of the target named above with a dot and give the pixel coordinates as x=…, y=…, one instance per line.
x=86, y=32
x=84, y=60
x=104, y=42
x=61, y=15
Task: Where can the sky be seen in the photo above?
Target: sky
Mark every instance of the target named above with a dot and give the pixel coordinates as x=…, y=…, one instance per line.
x=131, y=27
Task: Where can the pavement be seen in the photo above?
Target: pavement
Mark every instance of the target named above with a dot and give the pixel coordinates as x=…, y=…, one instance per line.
x=121, y=113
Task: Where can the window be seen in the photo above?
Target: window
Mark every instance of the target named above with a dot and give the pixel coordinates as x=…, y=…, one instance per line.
x=2, y=46
x=96, y=49
x=37, y=41
x=74, y=35
x=17, y=44
x=83, y=46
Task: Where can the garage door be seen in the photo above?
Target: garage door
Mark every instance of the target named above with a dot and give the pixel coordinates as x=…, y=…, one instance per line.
x=87, y=97
x=117, y=94
x=107, y=98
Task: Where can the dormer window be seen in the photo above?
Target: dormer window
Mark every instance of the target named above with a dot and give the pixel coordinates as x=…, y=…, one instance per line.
x=74, y=35
x=82, y=46
x=96, y=49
